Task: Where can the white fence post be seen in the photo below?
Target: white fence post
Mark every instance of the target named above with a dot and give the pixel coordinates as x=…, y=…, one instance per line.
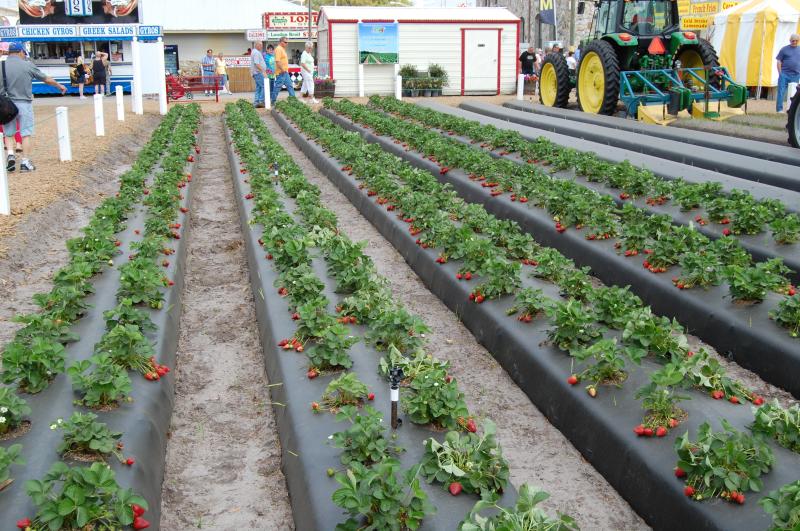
x=521, y=87
x=360, y=81
x=136, y=87
x=267, y=94
x=162, y=85
x=398, y=88
x=99, y=123
x=120, y=104
x=62, y=128
x=5, y=200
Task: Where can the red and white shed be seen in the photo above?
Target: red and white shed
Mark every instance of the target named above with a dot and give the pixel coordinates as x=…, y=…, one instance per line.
x=477, y=46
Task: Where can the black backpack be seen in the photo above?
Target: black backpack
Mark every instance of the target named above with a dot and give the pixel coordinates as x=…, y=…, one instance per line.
x=8, y=109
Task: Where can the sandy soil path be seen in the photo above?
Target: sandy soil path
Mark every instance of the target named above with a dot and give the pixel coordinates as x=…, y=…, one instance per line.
x=223, y=457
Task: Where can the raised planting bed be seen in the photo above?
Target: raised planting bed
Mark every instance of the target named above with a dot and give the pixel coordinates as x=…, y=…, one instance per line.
x=121, y=269
x=743, y=331
x=750, y=148
x=640, y=468
x=709, y=207
x=750, y=168
x=270, y=209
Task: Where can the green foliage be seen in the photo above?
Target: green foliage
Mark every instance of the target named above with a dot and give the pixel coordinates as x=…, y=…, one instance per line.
x=784, y=506
x=787, y=314
x=343, y=391
x=524, y=516
x=364, y=441
x=396, y=327
x=330, y=351
x=781, y=424
x=106, y=385
x=83, y=434
x=475, y=461
x=9, y=456
x=12, y=410
x=33, y=366
x=575, y=324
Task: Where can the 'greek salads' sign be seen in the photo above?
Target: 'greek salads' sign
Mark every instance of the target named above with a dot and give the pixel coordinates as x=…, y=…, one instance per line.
x=110, y=31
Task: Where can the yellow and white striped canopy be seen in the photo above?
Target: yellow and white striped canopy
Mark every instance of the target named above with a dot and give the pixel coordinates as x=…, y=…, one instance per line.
x=748, y=36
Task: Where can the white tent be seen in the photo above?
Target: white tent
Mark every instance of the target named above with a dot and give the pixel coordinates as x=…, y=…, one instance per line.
x=748, y=37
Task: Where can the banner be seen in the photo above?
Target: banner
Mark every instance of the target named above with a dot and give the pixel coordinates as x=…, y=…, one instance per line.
x=69, y=11
x=378, y=43
x=298, y=19
x=79, y=8
x=547, y=12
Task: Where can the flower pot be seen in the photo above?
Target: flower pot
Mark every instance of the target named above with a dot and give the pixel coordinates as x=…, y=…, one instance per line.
x=326, y=92
x=414, y=93
x=427, y=93
x=407, y=92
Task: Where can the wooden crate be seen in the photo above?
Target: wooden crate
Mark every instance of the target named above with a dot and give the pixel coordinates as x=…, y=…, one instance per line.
x=240, y=80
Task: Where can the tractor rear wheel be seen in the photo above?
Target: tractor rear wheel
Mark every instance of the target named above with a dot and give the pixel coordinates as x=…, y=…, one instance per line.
x=598, y=78
x=793, y=124
x=554, y=83
x=698, y=55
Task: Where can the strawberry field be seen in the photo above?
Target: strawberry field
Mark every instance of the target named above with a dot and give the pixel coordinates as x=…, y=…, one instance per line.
x=651, y=318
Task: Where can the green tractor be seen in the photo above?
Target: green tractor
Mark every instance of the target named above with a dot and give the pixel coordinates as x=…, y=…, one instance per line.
x=637, y=53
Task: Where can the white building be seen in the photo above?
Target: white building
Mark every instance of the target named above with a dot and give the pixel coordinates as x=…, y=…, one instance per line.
x=478, y=47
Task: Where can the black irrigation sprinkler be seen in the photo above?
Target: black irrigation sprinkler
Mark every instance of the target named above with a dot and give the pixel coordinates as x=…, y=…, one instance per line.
x=395, y=377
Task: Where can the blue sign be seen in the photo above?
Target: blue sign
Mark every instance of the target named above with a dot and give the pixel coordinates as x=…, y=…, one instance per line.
x=149, y=31
x=111, y=31
x=78, y=8
x=378, y=43
x=47, y=32
x=547, y=12
x=8, y=32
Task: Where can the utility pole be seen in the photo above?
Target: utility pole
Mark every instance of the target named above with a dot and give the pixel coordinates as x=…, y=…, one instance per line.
x=309, y=20
x=572, y=10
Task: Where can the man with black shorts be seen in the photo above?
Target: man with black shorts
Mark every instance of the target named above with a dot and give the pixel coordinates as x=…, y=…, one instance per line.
x=527, y=61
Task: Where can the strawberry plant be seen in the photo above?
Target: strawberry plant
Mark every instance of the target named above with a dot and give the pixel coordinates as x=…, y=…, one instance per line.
x=502, y=277
x=787, y=314
x=524, y=516
x=783, y=505
x=63, y=302
x=699, y=269
x=753, y=283
x=141, y=280
x=43, y=326
x=576, y=284
x=726, y=463
x=330, y=351
x=77, y=497
x=700, y=370
x=33, y=366
x=346, y=390
x=301, y=283
x=781, y=424
x=125, y=313
x=575, y=324
x=613, y=305
x=530, y=303
x=127, y=347
x=105, y=386
x=381, y=497
x=367, y=304
x=730, y=252
x=474, y=461
x=550, y=264
x=314, y=319
x=786, y=229
x=364, y=441
x=396, y=327
x=84, y=436
x=413, y=366
x=13, y=410
x=661, y=406
x=647, y=333
x=431, y=397
x=9, y=456
x=608, y=365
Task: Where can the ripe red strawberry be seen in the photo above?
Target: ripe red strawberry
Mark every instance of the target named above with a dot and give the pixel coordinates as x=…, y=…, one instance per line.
x=726, y=232
x=130, y=461
x=140, y=523
x=673, y=423
x=734, y=399
x=165, y=263
x=717, y=394
x=184, y=210
x=189, y=177
x=467, y=276
x=138, y=510
x=639, y=430
x=312, y=373
x=448, y=379
x=648, y=432
x=371, y=396
x=523, y=199
x=314, y=406
x=689, y=353
x=295, y=316
x=572, y=380
x=455, y=488
x=248, y=196
x=197, y=149
x=283, y=342
x=472, y=296
x=471, y=426
x=458, y=276
x=299, y=348
x=740, y=498
x=679, y=472
x=146, y=191
x=117, y=243
x=689, y=491
x=269, y=256
x=759, y=400
x=190, y=158
x=791, y=291
x=661, y=431
x=25, y=522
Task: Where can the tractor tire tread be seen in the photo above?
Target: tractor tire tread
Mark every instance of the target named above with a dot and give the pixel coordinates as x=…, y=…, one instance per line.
x=562, y=79
x=793, y=122
x=611, y=73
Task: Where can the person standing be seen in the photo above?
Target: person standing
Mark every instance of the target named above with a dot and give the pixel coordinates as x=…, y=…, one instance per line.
x=269, y=59
x=307, y=71
x=99, y=72
x=572, y=63
x=107, y=62
x=80, y=75
x=258, y=69
x=788, y=59
x=16, y=78
x=221, y=70
x=527, y=61
x=207, y=69
x=282, y=70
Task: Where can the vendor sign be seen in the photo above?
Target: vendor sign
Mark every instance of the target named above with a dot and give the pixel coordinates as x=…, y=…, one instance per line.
x=292, y=35
x=378, y=43
x=298, y=19
x=242, y=61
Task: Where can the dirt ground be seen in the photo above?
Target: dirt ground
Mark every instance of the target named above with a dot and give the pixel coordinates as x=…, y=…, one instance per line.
x=53, y=179
x=537, y=452
x=223, y=456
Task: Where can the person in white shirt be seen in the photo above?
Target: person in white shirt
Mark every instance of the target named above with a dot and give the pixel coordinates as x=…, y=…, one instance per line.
x=572, y=63
x=307, y=71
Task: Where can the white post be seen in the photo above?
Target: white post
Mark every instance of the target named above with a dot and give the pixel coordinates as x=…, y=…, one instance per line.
x=99, y=123
x=162, y=85
x=360, y=81
x=398, y=88
x=5, y=200
x=136, y=87
x=120, y=104
x=62, y=127
x=789, y=93
x=521, y=87
x=267, y=95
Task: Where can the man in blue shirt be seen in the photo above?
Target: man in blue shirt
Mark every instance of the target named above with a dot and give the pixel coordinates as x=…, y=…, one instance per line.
x=788, y=68
x=258, y=69
x=207, y=65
